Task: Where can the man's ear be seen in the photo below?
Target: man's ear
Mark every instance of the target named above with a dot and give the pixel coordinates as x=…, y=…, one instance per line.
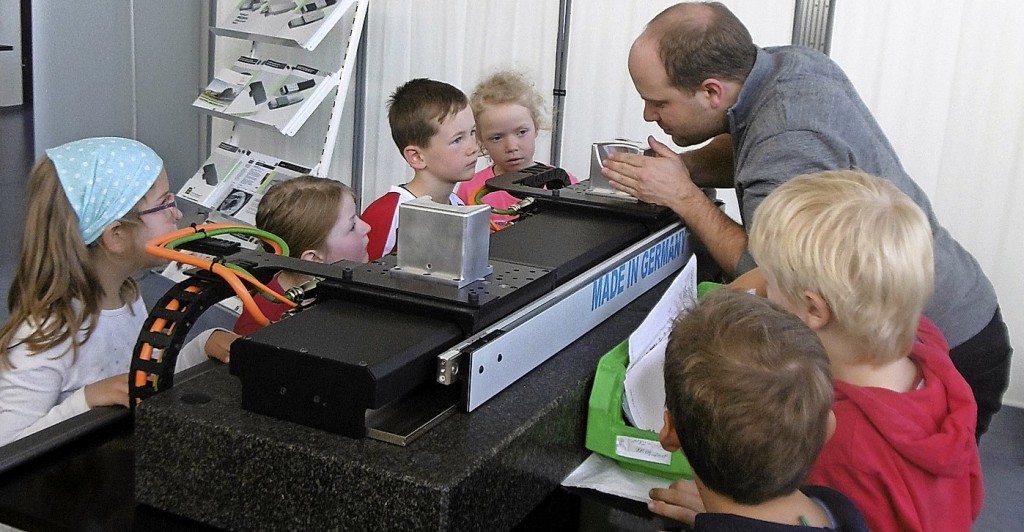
x=830, y=425
x=668, y=437
x=414, y=156
x=311, y=255
x=714, y=92
x=816, y=310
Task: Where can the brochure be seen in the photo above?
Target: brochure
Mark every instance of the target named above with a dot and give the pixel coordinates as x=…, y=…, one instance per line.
x=267, y=92
x=643, y=397
x=233, y=180
x=302, y=23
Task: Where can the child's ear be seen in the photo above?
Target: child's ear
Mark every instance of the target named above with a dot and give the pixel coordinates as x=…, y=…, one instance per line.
x=116, y=238
x=817, y=310
x=830, y=425
x=668, y=437
x=311, y=255
x=414, y=156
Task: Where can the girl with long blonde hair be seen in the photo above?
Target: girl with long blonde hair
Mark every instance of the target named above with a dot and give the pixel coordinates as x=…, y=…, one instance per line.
x=75, y=311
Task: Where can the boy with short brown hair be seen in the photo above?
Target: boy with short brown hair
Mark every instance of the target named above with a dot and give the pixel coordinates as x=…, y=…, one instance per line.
x=749, y=397
x=433, y=127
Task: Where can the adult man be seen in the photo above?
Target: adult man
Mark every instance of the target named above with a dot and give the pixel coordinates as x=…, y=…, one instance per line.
x=772, y=114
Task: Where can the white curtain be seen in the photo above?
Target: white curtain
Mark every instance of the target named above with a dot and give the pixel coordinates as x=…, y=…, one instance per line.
x=461, y=41
x=456, y=41
x=946, y=82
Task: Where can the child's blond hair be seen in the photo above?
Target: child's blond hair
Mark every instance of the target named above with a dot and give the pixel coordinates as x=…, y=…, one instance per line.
x=856, y=241
x=505, y=87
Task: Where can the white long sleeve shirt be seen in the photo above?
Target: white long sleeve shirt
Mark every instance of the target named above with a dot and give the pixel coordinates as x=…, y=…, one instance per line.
x=43, y=389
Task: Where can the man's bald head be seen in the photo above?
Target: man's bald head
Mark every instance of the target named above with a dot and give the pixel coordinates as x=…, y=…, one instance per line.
x=697, y=41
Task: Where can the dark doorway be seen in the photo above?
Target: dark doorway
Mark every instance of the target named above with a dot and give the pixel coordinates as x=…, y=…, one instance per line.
x=26, y=52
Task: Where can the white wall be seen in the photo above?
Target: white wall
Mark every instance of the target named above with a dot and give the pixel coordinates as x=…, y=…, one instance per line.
x=110, y=67
x=946, y=81
x=82, y=80
x=10, y=61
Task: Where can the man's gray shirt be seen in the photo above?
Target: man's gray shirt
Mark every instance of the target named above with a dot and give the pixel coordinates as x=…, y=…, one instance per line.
x=797, y=113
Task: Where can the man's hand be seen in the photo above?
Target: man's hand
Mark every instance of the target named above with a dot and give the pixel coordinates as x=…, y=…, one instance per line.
x=108, y=392
x=681, y=501
x=662, y=180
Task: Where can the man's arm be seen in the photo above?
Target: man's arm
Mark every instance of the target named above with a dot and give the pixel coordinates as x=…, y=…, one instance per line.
x=711, y=166
x=665, y=180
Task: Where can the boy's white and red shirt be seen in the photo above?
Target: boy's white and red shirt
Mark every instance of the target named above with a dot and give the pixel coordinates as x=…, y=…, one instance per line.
x=382, y=216
x=909, y=461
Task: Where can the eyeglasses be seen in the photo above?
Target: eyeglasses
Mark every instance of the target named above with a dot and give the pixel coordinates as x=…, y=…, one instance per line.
x=168, y=203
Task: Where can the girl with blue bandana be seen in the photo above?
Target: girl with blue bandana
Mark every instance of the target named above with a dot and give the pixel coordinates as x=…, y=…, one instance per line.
x=75, y=311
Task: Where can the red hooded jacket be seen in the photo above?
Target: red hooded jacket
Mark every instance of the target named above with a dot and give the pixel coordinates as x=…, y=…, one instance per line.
x=909, y=461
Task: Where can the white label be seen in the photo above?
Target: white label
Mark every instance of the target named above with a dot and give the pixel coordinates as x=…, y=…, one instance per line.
x=646, y=450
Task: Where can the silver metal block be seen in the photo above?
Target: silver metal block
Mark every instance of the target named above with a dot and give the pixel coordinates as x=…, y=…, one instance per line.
x=447, y=244
x=598, y=183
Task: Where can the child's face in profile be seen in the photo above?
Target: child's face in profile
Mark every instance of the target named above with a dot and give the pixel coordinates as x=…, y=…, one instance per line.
x=453, y=150
x=156, y=223
x=509, y=135
x=347, y=239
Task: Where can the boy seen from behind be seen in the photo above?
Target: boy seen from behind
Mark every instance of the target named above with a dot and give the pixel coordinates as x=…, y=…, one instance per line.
x=749, y=397
x=851, y=256
x=433, y=127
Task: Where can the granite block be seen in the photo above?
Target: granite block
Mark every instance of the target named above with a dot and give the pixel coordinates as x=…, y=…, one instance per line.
x=201, y=456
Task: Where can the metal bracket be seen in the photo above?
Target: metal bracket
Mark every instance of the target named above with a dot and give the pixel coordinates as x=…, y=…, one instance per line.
x=812, y=24
x=448, y=367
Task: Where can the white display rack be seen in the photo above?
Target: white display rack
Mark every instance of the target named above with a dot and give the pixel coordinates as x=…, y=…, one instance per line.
x=268, y=93
x=286, y=22
x=275, y=94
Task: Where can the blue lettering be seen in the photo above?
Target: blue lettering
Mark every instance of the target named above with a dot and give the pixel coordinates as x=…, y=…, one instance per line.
x=634, y=271
x=615, y=282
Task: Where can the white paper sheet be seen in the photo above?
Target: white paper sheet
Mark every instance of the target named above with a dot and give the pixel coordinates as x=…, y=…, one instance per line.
x=604, y=474
x=643, y=396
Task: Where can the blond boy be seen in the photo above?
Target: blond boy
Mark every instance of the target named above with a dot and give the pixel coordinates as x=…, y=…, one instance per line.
x=851, y=256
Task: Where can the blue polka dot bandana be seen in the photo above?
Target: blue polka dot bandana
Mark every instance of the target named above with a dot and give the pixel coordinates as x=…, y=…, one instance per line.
x=104, y=178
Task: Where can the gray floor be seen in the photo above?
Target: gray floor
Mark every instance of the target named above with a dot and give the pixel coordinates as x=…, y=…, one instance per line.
x=1002, y=449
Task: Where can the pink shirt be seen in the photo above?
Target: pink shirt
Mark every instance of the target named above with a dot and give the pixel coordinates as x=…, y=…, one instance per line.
x=498, y=199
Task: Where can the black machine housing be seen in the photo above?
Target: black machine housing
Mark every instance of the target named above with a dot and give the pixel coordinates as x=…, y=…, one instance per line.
x=371, y=338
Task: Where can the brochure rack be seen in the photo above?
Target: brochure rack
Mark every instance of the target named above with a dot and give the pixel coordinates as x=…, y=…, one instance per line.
x=278, y=94
x=288, y=22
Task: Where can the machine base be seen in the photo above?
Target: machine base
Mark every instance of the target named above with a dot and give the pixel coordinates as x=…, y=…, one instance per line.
x=483, y=470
